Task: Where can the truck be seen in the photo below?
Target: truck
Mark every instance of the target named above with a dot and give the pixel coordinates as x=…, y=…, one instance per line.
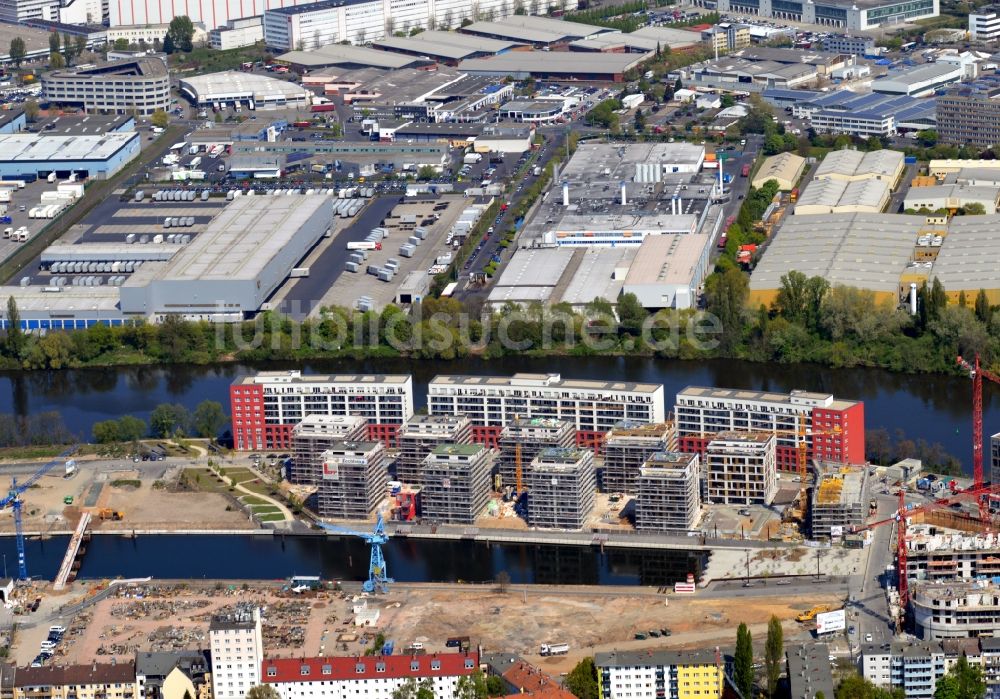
x=537, y=170
x=745, y=172
x=472, y=158
x=364, y=245
x=195, y=162
x=553, y=649
x=298, y=272
x=794, y=196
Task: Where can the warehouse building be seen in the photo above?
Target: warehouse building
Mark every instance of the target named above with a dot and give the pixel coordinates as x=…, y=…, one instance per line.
x=737, y=73
x=98, y=156
x=456, y=483
x=346, y=57
x=531, y=435
x=232, y=267
x=835, y=196
x=839, y=502
x=248, y=89
x=73, y=308
x=643, y=40
x=952, y=197
x=554, y=65
x=628, y=446
x=444, y=47
x=852, y=165
x=421, y=434
x=668, y=493
x=668, y=270
x=561, y=486
x=784, y=168
x=919, y=81
x=533, y=31
x=314, y=435
x=593, y=407
x=740, y=468
x=266, y=406
x=352, y=482
x=139, y=86
x=701, y=412
x=841, y=14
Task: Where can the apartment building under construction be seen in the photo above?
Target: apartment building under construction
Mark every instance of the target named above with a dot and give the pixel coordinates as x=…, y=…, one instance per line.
x=741, y=468
x=561, y=485
x=456, y=483
x=627, y=447
x=840, y=502
x=314, y=435
x=353, y=480
x=533, y=435
x=668, y=492
x=418, y=437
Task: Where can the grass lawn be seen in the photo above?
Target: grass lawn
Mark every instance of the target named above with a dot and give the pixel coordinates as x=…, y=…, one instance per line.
x=265, y=509
x=278, y=517
x=239, y=475
x=253, y=500
x=259, y=487
x=203, y=480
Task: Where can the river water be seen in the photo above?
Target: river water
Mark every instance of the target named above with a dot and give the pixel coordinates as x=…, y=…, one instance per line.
x=935, y=408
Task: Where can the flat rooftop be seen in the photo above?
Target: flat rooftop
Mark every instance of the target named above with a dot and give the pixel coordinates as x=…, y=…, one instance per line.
x=553, y=382
x=238, y=84
x=34, y=147
x=70, y=299
x=667, y=259
x=449, y=45
x=342, y=54
x=767, y=397
x=457, y=449
x=533, y=29
x=553, y=62
x=656, y=658
x=296, y=377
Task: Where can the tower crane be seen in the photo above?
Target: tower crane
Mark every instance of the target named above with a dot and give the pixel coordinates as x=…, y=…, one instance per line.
x=976, y=373
x=378, y=580
x=13, y=499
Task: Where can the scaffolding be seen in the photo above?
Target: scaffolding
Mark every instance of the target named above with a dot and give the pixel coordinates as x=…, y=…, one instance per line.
x=628, y=446
x=353, y=481
x=419, y=436
x=532, y=435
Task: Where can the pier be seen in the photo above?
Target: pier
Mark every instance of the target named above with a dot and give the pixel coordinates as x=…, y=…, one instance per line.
x=69, y=562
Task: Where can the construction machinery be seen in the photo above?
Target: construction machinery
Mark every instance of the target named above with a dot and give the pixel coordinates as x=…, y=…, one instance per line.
x=14, y=500
x=976, y=373
x=810, y=614
x=106, y=513
x=378, y=580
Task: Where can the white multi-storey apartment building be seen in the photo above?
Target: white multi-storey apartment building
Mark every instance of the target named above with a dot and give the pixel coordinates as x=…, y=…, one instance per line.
x=266, y=406
x=741, y=469
x=592, y=407
x=376, y=677
x=237, y=652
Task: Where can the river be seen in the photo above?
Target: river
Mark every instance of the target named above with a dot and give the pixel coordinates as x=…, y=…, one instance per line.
x=265, y=557
x=935, y=408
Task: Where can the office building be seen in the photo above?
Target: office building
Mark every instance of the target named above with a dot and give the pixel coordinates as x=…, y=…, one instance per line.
x=561, y=486
x=913, y=667
x=850, y=44
x=970, y=113
x=741, y=468
x=237, y=647
x=626, y=449
x=532, y=435
x=834, y=428
x=840, y=14
x=593, y=407
x=456, y=483
x=237, y=33
x=372, y=676
x=418, y=437
x=840, y=502
x=726, y=37
x=984, y=23
x=352, y=481
x=668, y=493
x=808, y=667
x=661, y=674
x=91, y=681
x=314, y=435
x=266, y=406
x=139, y=86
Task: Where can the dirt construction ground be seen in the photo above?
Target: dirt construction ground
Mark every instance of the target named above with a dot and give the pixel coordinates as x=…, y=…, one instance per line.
x=168, y=617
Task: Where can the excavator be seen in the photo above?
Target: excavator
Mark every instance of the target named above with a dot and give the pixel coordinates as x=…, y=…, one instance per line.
x=106, y=513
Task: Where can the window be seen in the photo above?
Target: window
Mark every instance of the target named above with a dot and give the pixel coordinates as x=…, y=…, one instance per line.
x=435, y=665
x=327, y=670
x=379, y=667
x=304, y=670
x=359, y=668
x=414, y=665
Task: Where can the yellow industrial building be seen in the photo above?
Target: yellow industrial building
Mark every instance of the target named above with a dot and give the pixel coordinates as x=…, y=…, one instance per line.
x=852, y=165
x=784, y=168
x=834, y=196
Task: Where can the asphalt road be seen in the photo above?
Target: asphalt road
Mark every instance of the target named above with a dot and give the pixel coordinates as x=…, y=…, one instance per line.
x=867, y=608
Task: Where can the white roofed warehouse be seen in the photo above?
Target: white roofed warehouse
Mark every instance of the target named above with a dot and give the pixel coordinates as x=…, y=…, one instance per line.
x=97, y=156
x=236, y=86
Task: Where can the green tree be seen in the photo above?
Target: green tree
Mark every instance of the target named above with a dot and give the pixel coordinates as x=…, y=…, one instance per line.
x=31, y=110
x=55, y=42
x=471, y=686
x=495, y=686
x=411, y=689
x=263, y=691
x=56, y=61
x=984, y=312
x=166, y=420
x=974, y=209
x=727, y=101
x=69, y=48
x=131, y=428
x=963, y=681
x=81, y=44
x=208, y=419
x=160, y=119
x=856, y=687
x=582, y=679
x=122, y=45
x=631, y=314
x=106, y=432
x=743, y=661
x=18, y=52
x=774, y=654
x=181, y=33
x=640, y=120
x=15, y=336
x=426, y=172
x=725, y=297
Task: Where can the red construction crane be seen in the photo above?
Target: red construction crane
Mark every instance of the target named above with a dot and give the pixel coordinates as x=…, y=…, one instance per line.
x=976, y=373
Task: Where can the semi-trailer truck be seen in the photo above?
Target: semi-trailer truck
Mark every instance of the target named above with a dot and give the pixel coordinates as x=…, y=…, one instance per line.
x=554, y=649
x=364, y=245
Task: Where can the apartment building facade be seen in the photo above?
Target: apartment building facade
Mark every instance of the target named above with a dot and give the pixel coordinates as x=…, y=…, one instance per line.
x=140, y=86
x=913, y=667
x=660, y=674
x=353, y=480
x=741, y=468
x=314, y=435
x=91, y=681
x=532, y=435
x=237, y=647
x=561, y=486
x=420, y=434
x=456, y=483
x=369, y=676
x=593, y=407
x=953, y=609
x=833, y=429
x=970, y=113
x=668, y=495
x=266, y=407
x=627, y=447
